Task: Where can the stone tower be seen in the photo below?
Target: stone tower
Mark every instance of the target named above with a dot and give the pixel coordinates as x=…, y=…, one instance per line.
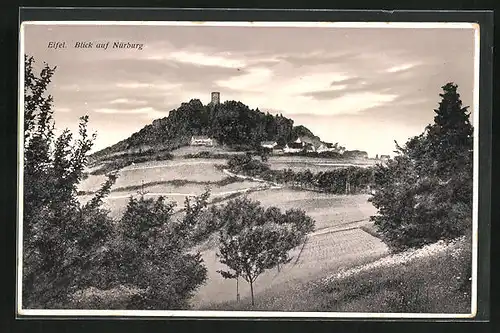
x=215, y=98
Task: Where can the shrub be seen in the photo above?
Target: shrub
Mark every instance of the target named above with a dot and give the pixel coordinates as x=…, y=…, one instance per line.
x=425, y=193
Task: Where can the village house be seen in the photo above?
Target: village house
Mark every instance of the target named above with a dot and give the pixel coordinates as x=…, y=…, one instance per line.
x=310, y=148
x=322, y=148
x=299, y=141
x=329, y=147
x=268, y=144
x=278, y=149
x=202, y=140
x=293, y=147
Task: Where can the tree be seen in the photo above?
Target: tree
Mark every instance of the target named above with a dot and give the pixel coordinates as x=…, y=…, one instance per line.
x=425, y=193
x=151, y=255
x=253, y=250
x=254, y=239
x=59, y=234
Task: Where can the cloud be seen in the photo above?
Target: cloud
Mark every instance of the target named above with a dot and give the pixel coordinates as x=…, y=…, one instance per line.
x=251, y=80
x=128, y=102
x=148, y=111
x=148, y=85
x=197, y=58
x=318, y=57
x=400, y=68
x=202, y=59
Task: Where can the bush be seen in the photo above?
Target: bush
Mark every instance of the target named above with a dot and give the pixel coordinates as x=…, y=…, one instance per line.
x=425, y=193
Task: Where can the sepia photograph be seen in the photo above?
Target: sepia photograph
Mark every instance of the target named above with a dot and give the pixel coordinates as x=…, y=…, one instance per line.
x=248, y=169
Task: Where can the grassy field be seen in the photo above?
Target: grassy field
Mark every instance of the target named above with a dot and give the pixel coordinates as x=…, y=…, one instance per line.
x=178, y=178
x=327, y=209
x=334, y=245
x=302, y=163
x=117, y=201
x=321, y=255
x=330, y=248
x=187, y=150
x=196, y=170
x=434, y=279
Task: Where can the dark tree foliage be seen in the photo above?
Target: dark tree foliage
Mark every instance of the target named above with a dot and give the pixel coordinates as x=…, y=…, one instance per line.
x=425, y=193
x=70, y=247
x=360, y=179
x=60, y=236
x=254, y=239
x=150, y=254
x=231, y=123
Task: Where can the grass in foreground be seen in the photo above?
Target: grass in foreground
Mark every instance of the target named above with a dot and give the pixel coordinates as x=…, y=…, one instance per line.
x=437, y=282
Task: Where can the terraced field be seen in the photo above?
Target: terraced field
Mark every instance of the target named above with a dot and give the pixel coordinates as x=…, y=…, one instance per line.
x=117, y=201
x=194, y=170
x=337, y=242
x=300, y=163
x=186, y=150
x=327, y=209
x=323, y=254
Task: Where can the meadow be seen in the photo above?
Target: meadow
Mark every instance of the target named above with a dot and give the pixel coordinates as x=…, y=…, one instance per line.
x=193, y=170
x=337, y=243
x=322, y=254
x=191, y=150
x=328, y=210
x=434, y=279
x=302, y=163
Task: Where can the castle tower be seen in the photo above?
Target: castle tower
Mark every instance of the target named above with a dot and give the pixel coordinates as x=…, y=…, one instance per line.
x=215, y=98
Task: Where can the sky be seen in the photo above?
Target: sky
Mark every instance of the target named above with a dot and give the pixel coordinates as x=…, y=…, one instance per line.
x=360, y=87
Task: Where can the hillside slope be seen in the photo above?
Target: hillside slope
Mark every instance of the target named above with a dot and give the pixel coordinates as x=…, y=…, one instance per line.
x=231, y=123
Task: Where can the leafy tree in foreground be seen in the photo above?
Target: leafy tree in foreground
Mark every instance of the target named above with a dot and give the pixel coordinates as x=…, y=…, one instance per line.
x=152, y=256
x=254, y=239
x=425, y=193
x=59, y=235
x=254, y=250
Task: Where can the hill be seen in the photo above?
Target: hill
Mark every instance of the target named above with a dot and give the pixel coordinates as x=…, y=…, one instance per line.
x=231, y=123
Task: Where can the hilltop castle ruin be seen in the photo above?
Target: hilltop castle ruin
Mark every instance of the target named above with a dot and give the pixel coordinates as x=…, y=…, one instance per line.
x=215, y=100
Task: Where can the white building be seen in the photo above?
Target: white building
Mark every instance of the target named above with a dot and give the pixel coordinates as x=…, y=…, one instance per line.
x=268, y=144
x=294, y=147
x=202, y=140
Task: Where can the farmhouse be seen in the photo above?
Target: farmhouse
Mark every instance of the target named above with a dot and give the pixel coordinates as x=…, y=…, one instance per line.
x=310, y=148
x=299, y=141
x=278, y=149
x=322, y=148
x=202, y=140
x=268, y=144
x=293, y=147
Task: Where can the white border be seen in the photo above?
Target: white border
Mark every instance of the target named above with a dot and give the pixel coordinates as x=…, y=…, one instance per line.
x=251, y=314
x=408, y=25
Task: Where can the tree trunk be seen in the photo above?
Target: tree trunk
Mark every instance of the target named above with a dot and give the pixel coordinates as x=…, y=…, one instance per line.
x=251, y=292
x=237, y=289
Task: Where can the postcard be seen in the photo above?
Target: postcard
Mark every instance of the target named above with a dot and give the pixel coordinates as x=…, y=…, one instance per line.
x=248, y=169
